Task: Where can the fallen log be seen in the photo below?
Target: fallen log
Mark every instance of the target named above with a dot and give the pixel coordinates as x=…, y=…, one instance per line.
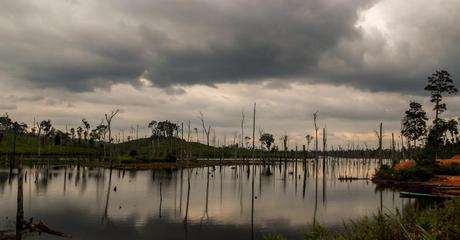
x=352, y=178
x=40, y=227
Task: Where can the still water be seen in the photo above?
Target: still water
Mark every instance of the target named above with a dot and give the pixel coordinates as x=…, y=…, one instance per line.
x=91, y=203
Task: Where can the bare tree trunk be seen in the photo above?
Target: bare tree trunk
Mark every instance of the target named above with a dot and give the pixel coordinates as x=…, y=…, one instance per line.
x=242, y=129
x=108, y=118
x=253, y=170
x=315, y=115
x=393, y=155
x=380, y=144
x=38, y=140
x=324, y=149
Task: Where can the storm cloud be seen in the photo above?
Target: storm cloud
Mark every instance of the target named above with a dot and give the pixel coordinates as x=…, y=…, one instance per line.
x=357, y=62
x=82, y=45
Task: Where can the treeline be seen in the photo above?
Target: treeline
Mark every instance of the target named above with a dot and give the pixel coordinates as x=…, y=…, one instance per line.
x=441, y=138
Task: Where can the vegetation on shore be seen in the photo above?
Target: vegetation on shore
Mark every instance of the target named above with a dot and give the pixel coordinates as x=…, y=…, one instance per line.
x=430, y=222
x=440, y=140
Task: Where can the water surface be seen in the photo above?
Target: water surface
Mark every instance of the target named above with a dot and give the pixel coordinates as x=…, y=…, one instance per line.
x=87, y=203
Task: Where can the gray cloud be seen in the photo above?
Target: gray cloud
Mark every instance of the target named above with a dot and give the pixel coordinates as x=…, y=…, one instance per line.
x=178, y=42
x=75, y=45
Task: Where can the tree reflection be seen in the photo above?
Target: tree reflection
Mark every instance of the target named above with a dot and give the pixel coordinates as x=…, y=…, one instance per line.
x=105, y=217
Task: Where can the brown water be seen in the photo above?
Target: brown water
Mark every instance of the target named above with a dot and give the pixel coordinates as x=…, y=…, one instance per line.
x=83, y=202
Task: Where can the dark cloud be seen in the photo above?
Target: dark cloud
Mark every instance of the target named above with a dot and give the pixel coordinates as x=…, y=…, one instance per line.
x=83, y=45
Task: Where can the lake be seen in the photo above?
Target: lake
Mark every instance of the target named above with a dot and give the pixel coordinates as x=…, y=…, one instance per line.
x=91, y=203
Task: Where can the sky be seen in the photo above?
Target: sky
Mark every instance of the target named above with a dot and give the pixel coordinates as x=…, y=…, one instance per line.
x=356, y=62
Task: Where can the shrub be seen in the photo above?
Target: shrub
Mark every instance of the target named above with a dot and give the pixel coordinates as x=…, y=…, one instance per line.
x=133, y=153
x=451, y=169
x=170, y=157
x=385, y=172
x=415, y=173
x=433, y=222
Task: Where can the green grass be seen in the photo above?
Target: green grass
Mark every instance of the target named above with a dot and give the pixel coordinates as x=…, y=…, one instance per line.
x=434, y=222
x=28, y=145
x=134, y=151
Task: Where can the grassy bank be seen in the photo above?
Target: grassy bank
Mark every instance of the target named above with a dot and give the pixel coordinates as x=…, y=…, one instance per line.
x=145, y=150
x=432, y=222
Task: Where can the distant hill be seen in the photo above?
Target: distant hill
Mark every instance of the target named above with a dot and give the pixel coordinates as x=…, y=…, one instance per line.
x=145, y=149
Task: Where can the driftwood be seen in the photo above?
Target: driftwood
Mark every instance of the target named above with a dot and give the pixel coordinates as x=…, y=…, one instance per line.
x=40, y=227
x=352, y=178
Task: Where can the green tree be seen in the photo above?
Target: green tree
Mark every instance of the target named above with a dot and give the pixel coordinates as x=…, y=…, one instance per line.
x=414, y=122
x=452, y=128
x=5, y=122
x=267, y=140
x=98, y=133
x=153, y=127
x=439, y=83
x=44, y=126
x=72, y=133
x=18, y=128
x=309, y=138
x=79, y=133
x=87, y=127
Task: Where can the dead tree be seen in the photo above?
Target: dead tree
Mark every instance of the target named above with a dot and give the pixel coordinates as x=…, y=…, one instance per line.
x=242, y=128
x=188, y=140
x=315, y=116
x=39, y=130
x=379, y=136
x=108, y=118
x=324, y=149
x=253, y=169
x=207, y=130
x=393, y=155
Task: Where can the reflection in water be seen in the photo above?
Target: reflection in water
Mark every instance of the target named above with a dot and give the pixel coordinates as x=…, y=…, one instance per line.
x=143, y=204
x=20, y=203
x=161, y=200
x=105, y=217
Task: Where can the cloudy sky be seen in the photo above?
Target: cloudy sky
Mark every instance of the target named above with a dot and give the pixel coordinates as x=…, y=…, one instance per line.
x=357, y=62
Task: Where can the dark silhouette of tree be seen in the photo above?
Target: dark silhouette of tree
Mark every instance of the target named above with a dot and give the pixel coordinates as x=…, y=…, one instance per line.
x=315, y=116
x=207, y=130
x=72, y=133
x=197, y=138
x=17, y=128
x=414, y=122
x=45, y=127
x=284, y=139
x=309, y=138
x=79, y=133
x=108, y=119
x=153, y=127
x=267, y=140
x=439, y=83
x=452, y=128
x=98, y=133
x=165, y=129
x=242, y=129
x=87, y=127
x=247, y=138
x=5, y=122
